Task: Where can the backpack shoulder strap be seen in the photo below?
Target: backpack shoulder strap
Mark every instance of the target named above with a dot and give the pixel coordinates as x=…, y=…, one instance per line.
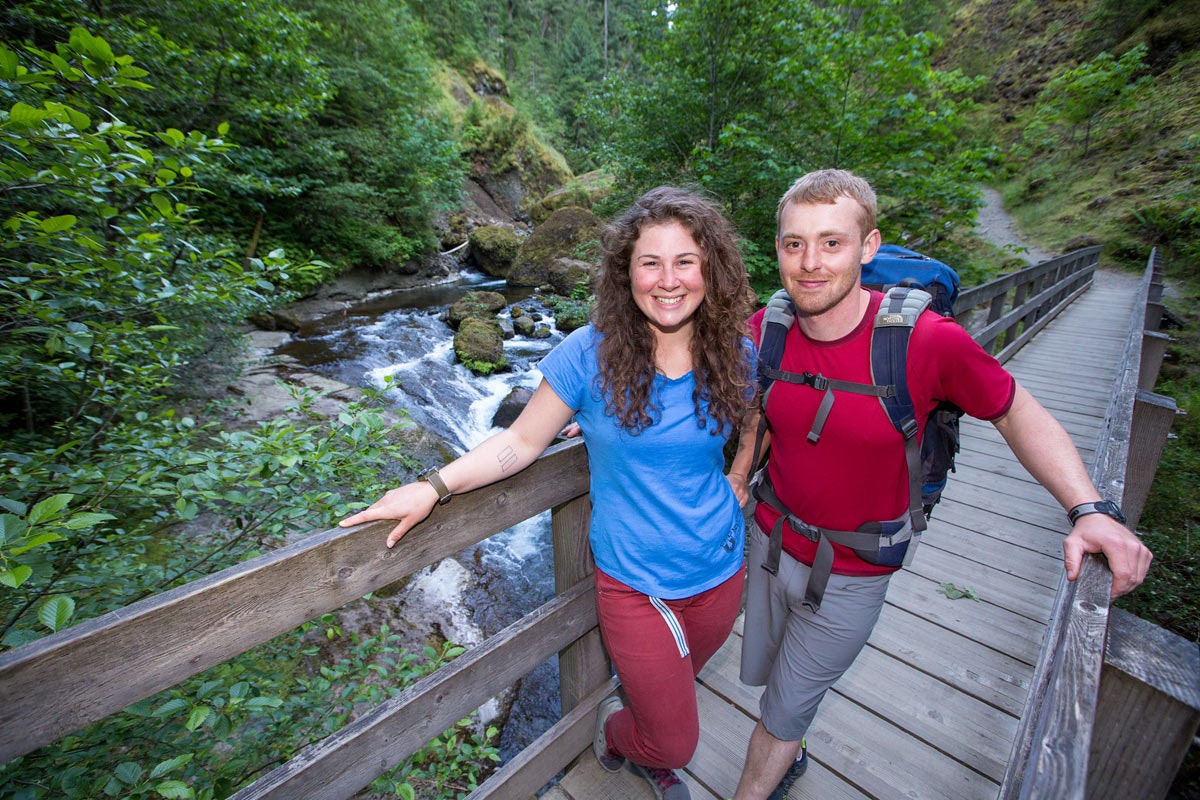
x=777, y=320
x=894, y=322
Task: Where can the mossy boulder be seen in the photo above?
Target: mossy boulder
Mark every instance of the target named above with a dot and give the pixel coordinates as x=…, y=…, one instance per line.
x=493, y=248
x=479, y=346
x=508, y=161
x=567, y=233
x=569, y=276
x=475, y=305
x=581, y=192
x=486, y=80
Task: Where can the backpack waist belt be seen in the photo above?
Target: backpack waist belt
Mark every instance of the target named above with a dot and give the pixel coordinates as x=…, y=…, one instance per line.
x=868, y=541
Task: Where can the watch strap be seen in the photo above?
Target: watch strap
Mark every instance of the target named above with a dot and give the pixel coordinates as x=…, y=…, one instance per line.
x=434, y=479
x=1106, y=507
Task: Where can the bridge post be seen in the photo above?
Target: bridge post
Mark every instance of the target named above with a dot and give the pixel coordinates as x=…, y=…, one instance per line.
x=1147, y=712
x=1154, y=315
x=1154, y=347
x=584, y=664
x=1152, y=418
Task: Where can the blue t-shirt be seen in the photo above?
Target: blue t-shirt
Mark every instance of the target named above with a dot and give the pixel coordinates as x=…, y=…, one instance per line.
x=664, y=518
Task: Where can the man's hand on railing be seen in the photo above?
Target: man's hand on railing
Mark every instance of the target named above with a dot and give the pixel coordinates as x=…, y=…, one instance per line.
x=1127, y=557
x=408, y=504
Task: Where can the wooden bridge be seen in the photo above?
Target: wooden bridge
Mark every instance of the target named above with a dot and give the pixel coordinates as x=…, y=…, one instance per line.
x=1005, y=693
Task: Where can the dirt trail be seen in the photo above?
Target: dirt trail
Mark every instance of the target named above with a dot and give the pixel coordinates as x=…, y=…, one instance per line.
x=996, y=226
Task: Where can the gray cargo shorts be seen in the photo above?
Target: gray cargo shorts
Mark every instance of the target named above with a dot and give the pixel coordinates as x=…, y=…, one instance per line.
x=797, y=654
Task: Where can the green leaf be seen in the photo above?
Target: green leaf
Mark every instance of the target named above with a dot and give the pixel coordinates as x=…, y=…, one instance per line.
x=25, y=115
x=128, y=772
x=163, y=204
x=11, y=526
x=35, y=541
x=171, y=765
x=406, y=792
x=86, y=519
x=954, y=593
x=174, y=789
x=13, y=506
x=197, y=717
x=48, y=508
x=171, y=707
x=56, y=612
x=8, y=64
x=98, y=49
x=16, y=576
x=58, y=224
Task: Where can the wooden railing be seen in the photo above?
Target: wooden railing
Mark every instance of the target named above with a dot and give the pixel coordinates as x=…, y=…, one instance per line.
x=51, y=687
x=55, y=685
x=1005, y=313
x=1149, y=703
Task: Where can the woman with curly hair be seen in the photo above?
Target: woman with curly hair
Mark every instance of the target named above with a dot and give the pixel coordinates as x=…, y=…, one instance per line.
x=657, y=383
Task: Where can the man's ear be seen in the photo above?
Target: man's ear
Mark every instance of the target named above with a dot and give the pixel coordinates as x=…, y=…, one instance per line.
x=871, y=245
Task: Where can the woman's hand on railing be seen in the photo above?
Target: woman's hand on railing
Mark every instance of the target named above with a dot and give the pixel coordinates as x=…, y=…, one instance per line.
x=1127, y=557
x=408, y=504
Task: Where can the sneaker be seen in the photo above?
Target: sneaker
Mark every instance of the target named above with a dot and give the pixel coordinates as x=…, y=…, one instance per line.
x=664, y=782
x=608, y=758
x=794, y=771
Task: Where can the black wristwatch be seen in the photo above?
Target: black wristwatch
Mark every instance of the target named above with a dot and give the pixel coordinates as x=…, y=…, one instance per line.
x=1103, y=507
x=434, y=479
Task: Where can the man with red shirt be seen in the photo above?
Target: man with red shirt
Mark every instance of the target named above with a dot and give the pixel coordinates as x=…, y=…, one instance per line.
x=856, y=472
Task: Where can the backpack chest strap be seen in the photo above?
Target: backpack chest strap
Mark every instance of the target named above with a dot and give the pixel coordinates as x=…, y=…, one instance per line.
x=822, y=384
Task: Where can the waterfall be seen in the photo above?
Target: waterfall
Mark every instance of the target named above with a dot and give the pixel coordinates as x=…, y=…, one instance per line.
x=400, y=344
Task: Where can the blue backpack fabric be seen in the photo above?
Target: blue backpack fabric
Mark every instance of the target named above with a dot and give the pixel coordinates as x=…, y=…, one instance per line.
x=894, y=265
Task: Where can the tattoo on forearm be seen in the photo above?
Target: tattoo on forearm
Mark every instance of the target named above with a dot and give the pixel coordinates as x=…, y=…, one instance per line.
x=507, y=458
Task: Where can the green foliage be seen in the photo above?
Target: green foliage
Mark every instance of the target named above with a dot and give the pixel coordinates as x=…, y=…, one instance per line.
x=743, y=98
x=340, y=149
x=217, y=731
x=573, y=312
x=381, y=159
x=1082, y=94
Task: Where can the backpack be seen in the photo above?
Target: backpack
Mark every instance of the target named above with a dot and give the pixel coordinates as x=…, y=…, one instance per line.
x=890, y=543
x=894, y=265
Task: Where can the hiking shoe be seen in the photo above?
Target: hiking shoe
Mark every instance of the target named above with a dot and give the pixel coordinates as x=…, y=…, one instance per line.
x=794, y=771
x=664, y=782
x=608, y=758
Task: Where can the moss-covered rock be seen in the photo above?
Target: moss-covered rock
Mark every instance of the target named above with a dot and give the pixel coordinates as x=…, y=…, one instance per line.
x=475, y=305
x=479, y=346
x=493, y=248
x=486, y=80
x=568, y=233
x=571, y=277
x=583, y=192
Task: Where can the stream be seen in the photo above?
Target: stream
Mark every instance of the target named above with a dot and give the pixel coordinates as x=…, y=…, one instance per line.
x=400, y=344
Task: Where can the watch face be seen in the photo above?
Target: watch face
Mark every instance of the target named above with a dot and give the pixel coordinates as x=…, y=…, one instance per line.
x=1112, y=509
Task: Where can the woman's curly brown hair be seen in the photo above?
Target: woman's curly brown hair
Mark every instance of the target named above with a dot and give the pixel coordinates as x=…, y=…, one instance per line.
x=720, y=364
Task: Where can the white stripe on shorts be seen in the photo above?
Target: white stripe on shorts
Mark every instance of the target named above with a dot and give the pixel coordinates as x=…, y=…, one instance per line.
x=672, y=625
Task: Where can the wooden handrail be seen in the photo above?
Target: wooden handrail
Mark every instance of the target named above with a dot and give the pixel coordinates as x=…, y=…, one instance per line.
x=1049, y=758
x=1032, y=296
x=51, y=687
x=57, y=684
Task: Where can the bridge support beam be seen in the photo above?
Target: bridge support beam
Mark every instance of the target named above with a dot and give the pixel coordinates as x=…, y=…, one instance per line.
x=584, y=665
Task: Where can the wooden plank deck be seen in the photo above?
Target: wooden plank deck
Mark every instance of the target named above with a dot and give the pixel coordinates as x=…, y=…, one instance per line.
x=930, y=707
